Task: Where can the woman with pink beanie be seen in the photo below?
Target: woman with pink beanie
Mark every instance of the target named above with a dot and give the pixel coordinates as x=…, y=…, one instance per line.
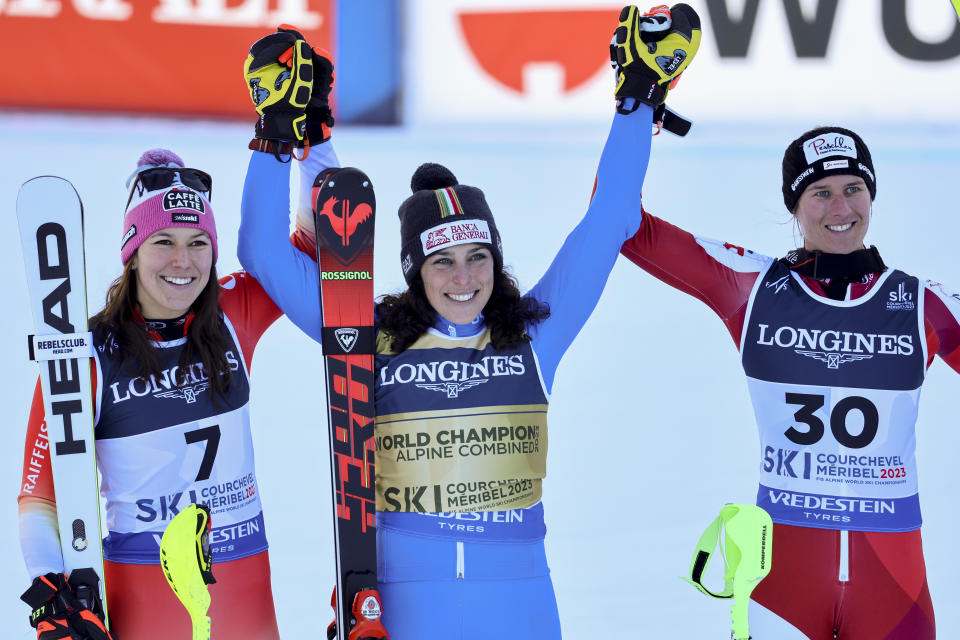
x=171, y=389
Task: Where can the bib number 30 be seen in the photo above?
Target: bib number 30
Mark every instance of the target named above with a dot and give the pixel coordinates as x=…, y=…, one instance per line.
x=809, y=403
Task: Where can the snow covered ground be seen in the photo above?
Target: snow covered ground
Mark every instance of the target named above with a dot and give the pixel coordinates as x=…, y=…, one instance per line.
x=651, y=427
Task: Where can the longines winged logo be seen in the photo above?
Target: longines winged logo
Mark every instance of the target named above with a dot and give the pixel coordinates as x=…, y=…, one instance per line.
x=452, y=389
x=187, y=392
x=347, y=337
x=833, y=360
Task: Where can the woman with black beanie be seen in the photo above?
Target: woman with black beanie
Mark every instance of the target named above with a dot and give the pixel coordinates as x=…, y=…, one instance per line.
x=465, y=363
x=835, y=346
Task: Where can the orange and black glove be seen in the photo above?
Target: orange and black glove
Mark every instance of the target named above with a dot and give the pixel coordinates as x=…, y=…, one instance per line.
x=67, y=609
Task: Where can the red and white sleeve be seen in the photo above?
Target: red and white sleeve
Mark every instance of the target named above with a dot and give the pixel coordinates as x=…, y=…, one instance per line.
x=719, y=274
x=942, y=319
x=37, y=505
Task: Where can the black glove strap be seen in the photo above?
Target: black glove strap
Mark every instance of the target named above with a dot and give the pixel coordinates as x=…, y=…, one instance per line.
x=671, y=121
x=42, y=590
x=654, y=95
x=42, y=612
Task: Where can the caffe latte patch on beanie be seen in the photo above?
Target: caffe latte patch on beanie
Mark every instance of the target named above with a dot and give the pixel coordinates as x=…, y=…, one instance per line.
x=443, y=213
x=821, y=152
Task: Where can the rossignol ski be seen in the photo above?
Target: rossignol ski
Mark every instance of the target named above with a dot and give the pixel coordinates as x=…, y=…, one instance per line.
x=50, y=215
x=344, y=208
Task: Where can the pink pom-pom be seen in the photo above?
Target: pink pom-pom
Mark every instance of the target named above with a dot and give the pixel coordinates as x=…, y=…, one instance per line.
x=159, y=158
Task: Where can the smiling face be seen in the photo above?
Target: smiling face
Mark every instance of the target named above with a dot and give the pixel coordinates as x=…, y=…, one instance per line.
x=834, y=213
x=459, y=281
x=172, y=267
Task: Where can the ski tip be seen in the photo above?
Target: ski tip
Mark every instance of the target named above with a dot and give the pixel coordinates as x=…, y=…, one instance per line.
x=47, y=184
x=334, y=174
x=46, y=180
x=336, y=185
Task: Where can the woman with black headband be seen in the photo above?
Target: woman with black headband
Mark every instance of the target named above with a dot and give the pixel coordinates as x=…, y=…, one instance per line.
x=835, y=346
x=171, y=386
x=466, y=361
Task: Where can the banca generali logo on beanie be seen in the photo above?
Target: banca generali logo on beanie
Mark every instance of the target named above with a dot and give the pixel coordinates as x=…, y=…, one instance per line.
x=443, y=213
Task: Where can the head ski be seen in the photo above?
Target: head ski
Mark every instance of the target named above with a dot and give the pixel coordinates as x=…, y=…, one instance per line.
x=50, y=215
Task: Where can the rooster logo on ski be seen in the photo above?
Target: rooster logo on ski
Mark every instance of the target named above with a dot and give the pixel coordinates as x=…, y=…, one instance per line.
x=343, y=212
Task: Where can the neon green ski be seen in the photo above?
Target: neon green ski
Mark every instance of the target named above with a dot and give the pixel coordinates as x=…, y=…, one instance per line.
x=187, y=564
x=746, y=550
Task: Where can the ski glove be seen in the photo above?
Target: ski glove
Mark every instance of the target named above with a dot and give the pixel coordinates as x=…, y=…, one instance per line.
x=67, y=609
x=279, y=74
x=318, y=111
x=650, y=51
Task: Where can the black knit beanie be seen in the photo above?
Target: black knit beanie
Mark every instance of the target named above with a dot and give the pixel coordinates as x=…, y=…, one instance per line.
x=443, y=213
x=825, y=151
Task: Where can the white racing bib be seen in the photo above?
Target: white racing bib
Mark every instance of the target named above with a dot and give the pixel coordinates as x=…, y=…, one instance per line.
x=837, y=457
x=166, y=441
x=835, y=387
x=149, y=477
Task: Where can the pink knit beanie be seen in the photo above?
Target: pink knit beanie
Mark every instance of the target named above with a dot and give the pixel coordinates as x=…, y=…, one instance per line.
x=174, y=206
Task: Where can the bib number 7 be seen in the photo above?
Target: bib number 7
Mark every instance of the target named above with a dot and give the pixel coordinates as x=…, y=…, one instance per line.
x=211, y=435
x=810, y=403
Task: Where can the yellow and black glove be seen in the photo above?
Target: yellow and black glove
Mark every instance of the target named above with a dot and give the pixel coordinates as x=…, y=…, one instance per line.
x=649, y=51
x=279, y=74
x=319, y=114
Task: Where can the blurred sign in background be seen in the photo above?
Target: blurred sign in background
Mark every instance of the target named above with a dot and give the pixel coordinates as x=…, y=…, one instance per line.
x=428, y=61
x=184, y=57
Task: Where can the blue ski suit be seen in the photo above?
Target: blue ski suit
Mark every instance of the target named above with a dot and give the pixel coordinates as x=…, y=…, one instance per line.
x=467, y=574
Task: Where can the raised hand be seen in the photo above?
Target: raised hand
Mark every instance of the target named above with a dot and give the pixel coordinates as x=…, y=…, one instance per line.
x=279, y=74
x=649, y=51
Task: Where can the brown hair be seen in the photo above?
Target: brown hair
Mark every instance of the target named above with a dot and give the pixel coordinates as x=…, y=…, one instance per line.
x=125, y=337
x=406, y=316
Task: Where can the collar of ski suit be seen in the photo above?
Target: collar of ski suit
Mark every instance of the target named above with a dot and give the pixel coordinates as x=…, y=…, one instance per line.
x=167, y=329
x=821, y=266
x=454, y=330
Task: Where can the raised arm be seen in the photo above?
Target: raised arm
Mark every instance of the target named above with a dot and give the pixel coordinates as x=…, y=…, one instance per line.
x=717, y=273
x=575, y=279
x=288, y=275
x=293, y=113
